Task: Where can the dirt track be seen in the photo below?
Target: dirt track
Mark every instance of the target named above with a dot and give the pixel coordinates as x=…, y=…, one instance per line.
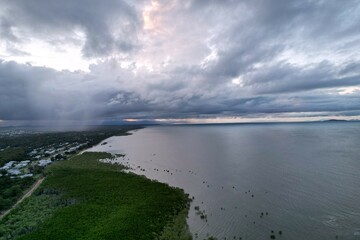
x=31, y=190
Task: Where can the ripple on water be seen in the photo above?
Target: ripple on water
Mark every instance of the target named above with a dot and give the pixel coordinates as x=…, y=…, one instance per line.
x=306, y=176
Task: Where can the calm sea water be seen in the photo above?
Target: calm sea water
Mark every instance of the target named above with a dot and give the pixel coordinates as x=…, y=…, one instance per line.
x=301, y=179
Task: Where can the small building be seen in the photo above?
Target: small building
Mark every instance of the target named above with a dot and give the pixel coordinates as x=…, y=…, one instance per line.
x=26, y=175
x=33, y=152
x=22, y=164
x=44, y=162
x=14, y=171
x=8, y=165
x=73, y=149
x=50, y=152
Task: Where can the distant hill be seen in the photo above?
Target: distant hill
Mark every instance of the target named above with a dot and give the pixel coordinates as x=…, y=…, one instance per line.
x=337, y=120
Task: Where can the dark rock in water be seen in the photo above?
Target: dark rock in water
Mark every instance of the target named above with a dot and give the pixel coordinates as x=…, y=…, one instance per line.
x=272, y=236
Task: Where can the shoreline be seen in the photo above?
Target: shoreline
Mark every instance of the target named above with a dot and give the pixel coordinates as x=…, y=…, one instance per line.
x=174, y=225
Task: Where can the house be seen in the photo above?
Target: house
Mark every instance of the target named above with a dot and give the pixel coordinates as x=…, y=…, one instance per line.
x=33, y=152
x=22, y=164
x=50, y=152
x=8, y=165
x=27, y=175
x=44, y=162
x=14, y=171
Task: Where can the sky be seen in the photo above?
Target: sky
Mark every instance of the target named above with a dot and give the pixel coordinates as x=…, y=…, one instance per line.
x=179, y=60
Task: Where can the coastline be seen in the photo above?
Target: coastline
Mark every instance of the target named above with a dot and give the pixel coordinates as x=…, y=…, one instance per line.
x=175, y=224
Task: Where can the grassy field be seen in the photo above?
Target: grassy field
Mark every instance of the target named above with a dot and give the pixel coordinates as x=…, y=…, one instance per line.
x=82, y=198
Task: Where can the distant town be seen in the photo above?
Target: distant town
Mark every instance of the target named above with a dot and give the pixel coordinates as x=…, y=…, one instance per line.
x=39, y=157
x=26, y=151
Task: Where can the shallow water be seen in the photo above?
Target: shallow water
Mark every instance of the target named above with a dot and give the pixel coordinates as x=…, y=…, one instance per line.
x=301, y=179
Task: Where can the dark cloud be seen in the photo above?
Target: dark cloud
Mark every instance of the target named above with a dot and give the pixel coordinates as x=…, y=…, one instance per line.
x=36, y=93
x=108, y=25
x=258, y=31
x=285, y=78
x=5, y=30
x=195, y=59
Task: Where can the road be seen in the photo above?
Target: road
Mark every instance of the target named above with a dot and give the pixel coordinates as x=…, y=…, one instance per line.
x=26, y=195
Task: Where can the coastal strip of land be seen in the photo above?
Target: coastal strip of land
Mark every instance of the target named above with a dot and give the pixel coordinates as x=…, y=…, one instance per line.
x=25, y=154
x=82, y=198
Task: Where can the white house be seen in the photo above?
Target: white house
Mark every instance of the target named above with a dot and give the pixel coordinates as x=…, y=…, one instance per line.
x=8, y=165
x=44, y=162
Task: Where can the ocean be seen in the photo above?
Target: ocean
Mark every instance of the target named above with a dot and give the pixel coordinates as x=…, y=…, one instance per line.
x=256, y=181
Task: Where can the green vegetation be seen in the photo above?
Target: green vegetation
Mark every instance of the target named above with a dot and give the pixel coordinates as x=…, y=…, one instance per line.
x=26, y=217
x=11, y=189
x=82, y=198
x=177, y=228
x=30, y=141
x=12, y=154
x=55, y=146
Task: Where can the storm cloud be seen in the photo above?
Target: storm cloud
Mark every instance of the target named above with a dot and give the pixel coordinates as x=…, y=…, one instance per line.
x=178, y=59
